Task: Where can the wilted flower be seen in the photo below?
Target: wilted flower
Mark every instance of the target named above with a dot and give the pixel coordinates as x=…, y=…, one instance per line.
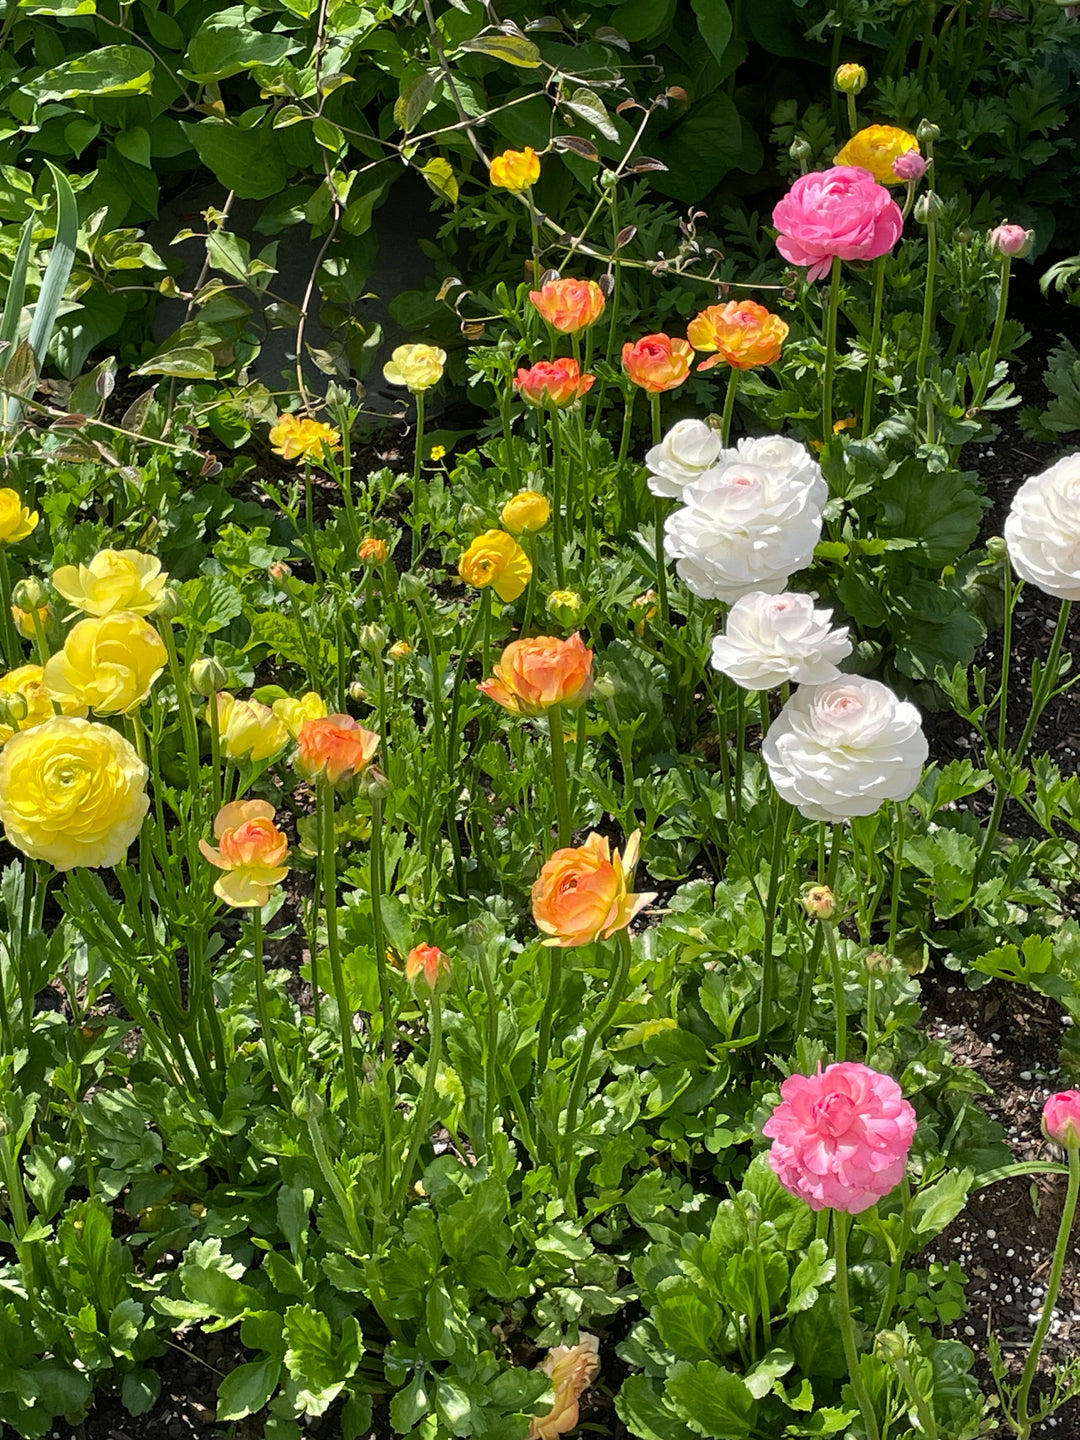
x=427, y=968
x=16, y=521
x=569, y=306
x=515, y=169
x=842, y=212
x=113, y=580
x=526, y=512
x=334, y=748
x=658, y=362
x=108, y=664
x=533, y=675
x=247, y=728
x=292, y=713
x=772, y=638
x=553, y=382
x=688, y=449
x=571, y=1369
x=419, y=367
x=250, y=854
x=297, y=437
x=582, y=893
x=743, y=334
x=1042, y=531
x=496, y=559
x=877, y=148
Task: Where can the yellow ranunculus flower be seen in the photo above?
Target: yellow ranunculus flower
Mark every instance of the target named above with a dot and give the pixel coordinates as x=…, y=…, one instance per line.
x=293, y=713
x=247, y=728
x=113, y=580
x=850, y=79
x=72, y=792
x=515, y=169
x=526, y=511
x=876, y=149
x=108, y=664
x=417, y=366
x=297, y=437
x=27, y=684
x=24, y=620
x=16, y=521
x=496, y=559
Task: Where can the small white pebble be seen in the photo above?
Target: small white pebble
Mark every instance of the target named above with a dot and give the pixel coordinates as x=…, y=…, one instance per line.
x=969, y=1329
x=991, y=1234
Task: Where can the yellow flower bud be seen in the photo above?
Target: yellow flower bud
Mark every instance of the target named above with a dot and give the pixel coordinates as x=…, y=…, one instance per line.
x=851, y=79
x=526, y=512
x=417, y=366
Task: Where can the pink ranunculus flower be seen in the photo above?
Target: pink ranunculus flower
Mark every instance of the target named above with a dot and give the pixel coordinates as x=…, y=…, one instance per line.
x=839, y=212
x=841, y=1137
x=1012, y=241
x=1061, y=1118
x=909, y=166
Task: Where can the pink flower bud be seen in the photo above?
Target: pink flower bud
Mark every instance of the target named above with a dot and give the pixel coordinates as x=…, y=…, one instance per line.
x=1012, y=241
x=1061, y=1118
x=909, y=166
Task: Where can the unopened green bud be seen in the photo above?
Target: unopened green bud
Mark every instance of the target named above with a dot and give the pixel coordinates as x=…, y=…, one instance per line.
x=373, y=639
x=412, y=587
x=851, y=79
x=207, y=676
x=171, y=604
x=309, y=1105
x=565, y=606
x=996, y=549
x=929, y=206
x=472, y=520
x=13, y=710
x=927, y=132
x=890, y=1345
x=373, y=783
x=357, y=693
x=30, y=594
x=801, y=150
x=878, y=963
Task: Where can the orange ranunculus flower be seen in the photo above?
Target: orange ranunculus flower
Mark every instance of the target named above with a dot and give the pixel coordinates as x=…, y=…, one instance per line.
x=334, y=748
x=496, y=559
x=569, y=305
x=877, y=148
x=582, y=894
x=427, y=968
x=657, y=362
x=515, y=169
x=571, y=1369
x=250, y=855
x=372, y=551
x=296, y=437
x=742, y=332
x=532, y=675
x=553, y=382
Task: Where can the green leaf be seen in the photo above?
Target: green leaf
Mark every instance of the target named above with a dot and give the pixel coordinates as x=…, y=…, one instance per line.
x=225, y=44
x=112, y=70
x=211, y=1283
x=186, y=362
x=410, y=1405
x=643, y=19
x=247, y=1389
x=134, y=145
x=813, y=1271
x=588, y=105
x=940, y=511
x=701, y=149
x=939, y=1204
x=713, y=1401
x=125, y=1325
x=514, y=49
x=210, y=602
x=140, y=1391
x=251, y=162
x=414, y=99
x=439, y=174
x=319, y=1363
x=714, y=22
x=641, y=1408
x=772, y=1366
x=687, y=1319
x=1024, y=966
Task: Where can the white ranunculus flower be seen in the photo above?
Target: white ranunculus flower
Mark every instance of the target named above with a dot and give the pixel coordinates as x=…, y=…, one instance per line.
x=1042, y=531
x=844, y=748
x=750, y=521
x=773, y=638
x=686, y=451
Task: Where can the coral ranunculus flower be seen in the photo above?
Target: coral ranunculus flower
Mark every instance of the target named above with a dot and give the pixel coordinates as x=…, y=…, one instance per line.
x=841, y=1137
x=28, y=702
x=72, y=792
x=496, y=559
x=113, y=580
x=877, y=149
x=742, y=333
x=334, y=748
x=657, y=362
x=515, y=169
x=108, y=663
x=571, y=1369
x=16, y=521
x=553, y=382
x=247, y=728
x=427, y=968
x=583, y=894
x=569, y=306
x=293, y=713
x=297, y=437
x=416, y=366
x=532, y=675
x=526, y=512
x=840, y=213
x=250, y=854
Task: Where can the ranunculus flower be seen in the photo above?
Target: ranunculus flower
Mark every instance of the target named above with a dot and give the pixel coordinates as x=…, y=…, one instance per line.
x=742, y=333
x=292, y=713
x=427, y=968
x=841, y=1137
x=1042, y=530
x=297, y=437
x=532, y=675
x=26, y=686
x=372, y=551
x=496, y=559
x=909, y=166
x=750, y=522
x=250, y=854
x=417, y=366
x=113, y=580
x=876, y=149
x=688, y=449
x=16, y=521
x=571, y=1369
x=334, y=748
x=72, y=792
x=526, y=512
x=839, y=212
x=658, y=362
x=553, y=382
x=844, y=748
x=515, y=169
x=569, y=306
x=773, y=638
x=247, y=728
x=1012, y=241
x=1061, y=1118
x=850, y=79
x=582, y=894
x=108, y=664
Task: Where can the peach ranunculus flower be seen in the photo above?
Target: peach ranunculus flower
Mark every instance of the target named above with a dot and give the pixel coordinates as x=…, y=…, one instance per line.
x=496, y=559
x=298, y=437
x=247, y=728
x=533, y=675
x=515, y=169
x=250, y=854
x=113, y=580
x=553, y=382
x=372, y=551
x=416, y=366
x=743, y=333
x=657, y=362
x=877, y=148
x=16, y=521
x=25, y=702
x=582, y=894
x=293, y=713
x=427, y=968
x=526, y=512
x=108, y=663
x=572, y=1369
x=569, y=306
x=334, y=748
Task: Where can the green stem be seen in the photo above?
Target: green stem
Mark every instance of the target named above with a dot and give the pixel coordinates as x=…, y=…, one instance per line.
x=309, y=522
x=12, y=648
x=889, y=1302
x=927, y=323
x=324, y=805
x=261, y=1007
x=923, y=1409
x=551, y=1005
x=334, y=1185
x=459, y=678
x=781, y=825
x=628, y=416
x=557, y=498
x=838, y=990
x=898, y=875
x=729, y=405
x=421, y=1120
x=830, y=351
x=852, y=113
x=558, y=771
x=875, y=341
x=841, y=1224
x=995, y=334
x=418, y=496
x=658, y=523
x=491, y=1050
x=1053, y=1286
x=375, y=871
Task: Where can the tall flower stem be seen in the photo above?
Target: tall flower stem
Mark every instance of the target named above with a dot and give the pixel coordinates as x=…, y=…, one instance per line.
x=620, y=976
x=841, y=1225
x=551, y=1005
x=421, y=1120
x=781, y=825
x=1053, y=1286
x=839, y=1004
x=898, y=1257
x=872, y=353
x=628, y=416
x=12, y=649
x=658, y=523
x=830, y=351
x=898, y=875
x=506, y=399
x=334, y=1185
x=324, y=805
x=922, y=1406
x=309, y=522
x=557, y=498
x=491, y=1049
x=558, y=772
x=729, y=405
x=261, y=1007
x=995, y=335
x=418, y=496
x=927, y=321
x=378, y=883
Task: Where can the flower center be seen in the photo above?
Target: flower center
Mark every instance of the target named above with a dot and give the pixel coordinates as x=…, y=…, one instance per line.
x=833, y=1115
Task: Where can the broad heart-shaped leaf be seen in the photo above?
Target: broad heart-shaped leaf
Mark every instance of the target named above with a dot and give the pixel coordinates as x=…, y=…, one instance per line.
x=588, y=105
x=935, y=1206
x=641, y=1408
x=225, y=44
x=112, y=70
x=247, y=1388
x=414, y=99
x=714, y=22
x=251, y=162
x=686, y=1318
x=713, y=1401
x=210, y=602
x=513, y=48
x=319, y=1363
x=940, y=512
x=931, y=625
x=701, y=149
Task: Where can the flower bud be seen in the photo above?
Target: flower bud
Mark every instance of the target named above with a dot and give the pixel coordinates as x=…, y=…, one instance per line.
x=909, y=166
x=643, y=608
x=996, y=549
x=929, y=207
x=412, y=587
x=963, y=234
x=279, y=572
x=1012, y=242
x=819, y=902
x=878, y=963
x=372, y=639
x=604, y=687
x=13, y=709
x=1061, y=1119
x=927, y=132
x=565, y=606
x=851, y=79
x=526, y=512
x=472, y=520
x=30, y=594
x=373, y=784
x=309, y=1105
x=171, y=604
x=207, y=676
x=401, y=650
x=24, y=620
x=427, y=969
x=357, y=693
x=372, y=551
x=801, y=150
x=890, y=1345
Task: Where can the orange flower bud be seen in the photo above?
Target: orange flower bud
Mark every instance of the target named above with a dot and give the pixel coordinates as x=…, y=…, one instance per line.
x=334, y=748
x=657, y=362
x=569, y=305
x=373, y=551
x=582, y=894
x=515, y=169
x=553, y=382
x=532, y=675
x=742, y=332
x=251, y=851
x=427, y=968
